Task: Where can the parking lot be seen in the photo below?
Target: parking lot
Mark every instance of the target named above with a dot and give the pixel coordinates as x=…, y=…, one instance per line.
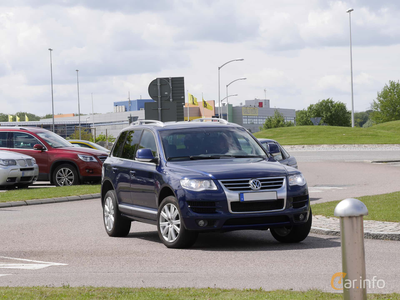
x=65, y=243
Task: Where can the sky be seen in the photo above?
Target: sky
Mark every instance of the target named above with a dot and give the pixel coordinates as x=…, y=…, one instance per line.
x=295, y=52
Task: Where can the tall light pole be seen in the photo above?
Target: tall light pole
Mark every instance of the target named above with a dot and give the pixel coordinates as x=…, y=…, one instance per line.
x=227, y=97
x=219, y=80
x=51, y=76
x=351, y=70
x=79, y=106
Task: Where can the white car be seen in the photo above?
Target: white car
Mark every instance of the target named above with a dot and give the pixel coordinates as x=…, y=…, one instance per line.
x=17, y=169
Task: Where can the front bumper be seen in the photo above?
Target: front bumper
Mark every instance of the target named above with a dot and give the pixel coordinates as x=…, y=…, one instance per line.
x=215, y=210
x=14, y=175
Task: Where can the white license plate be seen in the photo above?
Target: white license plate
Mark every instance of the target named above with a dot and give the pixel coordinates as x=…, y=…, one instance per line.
x=261, y=196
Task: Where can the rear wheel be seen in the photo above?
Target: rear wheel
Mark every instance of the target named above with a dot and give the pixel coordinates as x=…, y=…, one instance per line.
x=292, y=234
x=115, y=224
x=171, y=229
x=65, y=175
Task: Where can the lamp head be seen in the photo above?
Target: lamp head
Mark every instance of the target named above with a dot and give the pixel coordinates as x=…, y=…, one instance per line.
x=349, y=10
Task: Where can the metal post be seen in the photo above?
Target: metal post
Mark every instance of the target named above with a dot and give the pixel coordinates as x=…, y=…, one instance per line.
x=227, y=103
x=159, y=99
x=51, y=75
x=79, y=106
x=94, y=139
x=351, y=70
x=351, y=212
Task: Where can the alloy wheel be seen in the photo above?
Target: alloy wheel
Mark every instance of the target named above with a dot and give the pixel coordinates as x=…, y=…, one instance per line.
x=170, y=222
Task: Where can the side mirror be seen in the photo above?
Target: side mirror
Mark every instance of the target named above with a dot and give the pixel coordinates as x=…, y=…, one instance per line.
x=145, y=155
x=38, y=147
x=273, y=149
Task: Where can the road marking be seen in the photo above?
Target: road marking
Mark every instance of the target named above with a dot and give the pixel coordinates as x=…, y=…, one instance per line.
x=4, y=274
x=30, y=265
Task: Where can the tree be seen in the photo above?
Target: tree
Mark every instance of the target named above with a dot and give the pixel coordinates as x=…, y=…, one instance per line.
x=386, y=107
x=332, y=113
x=276, y=121
x=102, y=138
x=85, y=135
x=360, y=118
x=302, y=117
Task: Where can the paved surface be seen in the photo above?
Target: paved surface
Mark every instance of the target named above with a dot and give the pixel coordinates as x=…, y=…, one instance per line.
x=65, y=243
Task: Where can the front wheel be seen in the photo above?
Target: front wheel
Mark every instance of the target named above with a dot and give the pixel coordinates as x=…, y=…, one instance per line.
x=171, y=229
x=292, y=234
x=65, y=175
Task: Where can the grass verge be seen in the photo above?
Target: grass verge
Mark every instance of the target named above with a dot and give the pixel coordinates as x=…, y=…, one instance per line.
x=156, y=293
x=386, y=133
x=44, y=193
x=385, y=207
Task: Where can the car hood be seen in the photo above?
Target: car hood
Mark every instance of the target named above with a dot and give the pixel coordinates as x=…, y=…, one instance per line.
x=12, y=155
x=87, y=151
x=228, y=168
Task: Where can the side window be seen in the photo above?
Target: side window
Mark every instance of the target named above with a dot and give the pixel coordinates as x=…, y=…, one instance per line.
x=118, y=144
x=148, y=141
x=24, y=141
x=3, y=139
x=131, y=144
x=83, y=145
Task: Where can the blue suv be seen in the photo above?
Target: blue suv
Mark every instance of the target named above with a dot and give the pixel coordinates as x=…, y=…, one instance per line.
x=200, y=176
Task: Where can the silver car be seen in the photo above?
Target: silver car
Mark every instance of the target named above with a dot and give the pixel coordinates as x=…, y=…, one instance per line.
x=278, y=152
x=17, y=169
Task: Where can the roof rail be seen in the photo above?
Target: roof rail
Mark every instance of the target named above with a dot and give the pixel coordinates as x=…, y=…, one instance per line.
x=13, y=127
x=150, y=122
x=222, y=121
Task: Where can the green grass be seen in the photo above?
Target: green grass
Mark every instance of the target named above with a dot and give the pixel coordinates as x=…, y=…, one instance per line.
x=164, y=294
x=386, y=133
x=53, y=192
x=384, y=207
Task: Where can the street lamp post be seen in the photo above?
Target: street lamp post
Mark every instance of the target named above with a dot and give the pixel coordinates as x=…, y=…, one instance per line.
x=219, y=80
x=351, y=70
x=51, y=76
x=227, y=97
x=79, y=106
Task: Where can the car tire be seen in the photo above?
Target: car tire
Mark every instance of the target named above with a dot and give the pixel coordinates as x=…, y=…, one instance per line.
x=292, y=234
x=115, y=224
x=171, y=229
x=65, y=175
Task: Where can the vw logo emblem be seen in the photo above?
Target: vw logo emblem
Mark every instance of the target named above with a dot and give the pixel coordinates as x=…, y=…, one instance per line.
x=255, y=184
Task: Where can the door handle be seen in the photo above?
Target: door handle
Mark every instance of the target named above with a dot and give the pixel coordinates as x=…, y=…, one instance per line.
x=114, y=169
x=133, y=173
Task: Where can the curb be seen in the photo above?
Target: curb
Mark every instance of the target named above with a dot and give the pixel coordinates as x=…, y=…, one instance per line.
x=50, y=200
x=367, y=235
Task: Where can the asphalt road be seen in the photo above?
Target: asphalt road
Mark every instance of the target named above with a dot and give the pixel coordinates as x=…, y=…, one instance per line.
x=65, y=243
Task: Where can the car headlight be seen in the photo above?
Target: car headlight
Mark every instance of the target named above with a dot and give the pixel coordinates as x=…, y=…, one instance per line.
x=8, y=162
x=87, y=158
x=198, y=185
x=33, y=161
x=297, y=179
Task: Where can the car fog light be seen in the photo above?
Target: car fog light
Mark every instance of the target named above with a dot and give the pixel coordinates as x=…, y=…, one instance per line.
x=202, y=223
x=301, y=217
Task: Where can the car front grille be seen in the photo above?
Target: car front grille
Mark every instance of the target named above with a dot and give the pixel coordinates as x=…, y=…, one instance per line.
x=202, y=207
x=102, y=158
x=270, y=220
x=269, y=183
x=253, y=206
x=26, y=179
x=25, y=162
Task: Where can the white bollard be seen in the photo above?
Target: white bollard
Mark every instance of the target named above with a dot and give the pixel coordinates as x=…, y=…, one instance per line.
x=351, y=212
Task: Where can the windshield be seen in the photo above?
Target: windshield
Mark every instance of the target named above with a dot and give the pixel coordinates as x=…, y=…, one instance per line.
x=54, y=140
x=209, y=143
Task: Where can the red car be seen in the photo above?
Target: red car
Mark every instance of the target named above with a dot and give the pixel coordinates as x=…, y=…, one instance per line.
x=59, y=161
